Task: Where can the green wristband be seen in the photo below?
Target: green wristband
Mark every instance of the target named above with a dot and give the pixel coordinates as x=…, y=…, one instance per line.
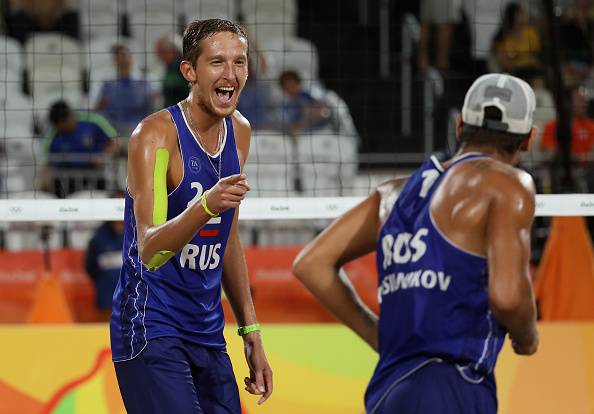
x=244, y=330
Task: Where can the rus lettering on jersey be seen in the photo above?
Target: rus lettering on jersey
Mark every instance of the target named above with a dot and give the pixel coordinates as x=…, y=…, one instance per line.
x=423, y=279
x=202, y=257
x=404, y=248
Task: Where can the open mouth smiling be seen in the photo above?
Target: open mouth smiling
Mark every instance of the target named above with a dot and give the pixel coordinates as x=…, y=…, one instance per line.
x=225, y=93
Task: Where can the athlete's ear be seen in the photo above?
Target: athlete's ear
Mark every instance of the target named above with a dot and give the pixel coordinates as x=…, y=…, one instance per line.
x=187, y=70
x=458, y=126
x=528, y=142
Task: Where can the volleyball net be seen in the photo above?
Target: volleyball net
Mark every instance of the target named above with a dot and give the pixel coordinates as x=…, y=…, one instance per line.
x=252, y=209
x=364, y=128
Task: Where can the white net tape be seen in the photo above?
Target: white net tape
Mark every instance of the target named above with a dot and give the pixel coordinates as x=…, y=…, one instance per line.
x=302, y=208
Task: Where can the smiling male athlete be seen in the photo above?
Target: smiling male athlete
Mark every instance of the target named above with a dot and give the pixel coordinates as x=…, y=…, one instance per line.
x=181, y=242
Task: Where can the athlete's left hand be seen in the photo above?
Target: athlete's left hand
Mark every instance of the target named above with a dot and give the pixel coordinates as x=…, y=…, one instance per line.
x=260, y=379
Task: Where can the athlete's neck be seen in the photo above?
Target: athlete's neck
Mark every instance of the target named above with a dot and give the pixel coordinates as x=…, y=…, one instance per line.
x=511, y=159
x=206, y=124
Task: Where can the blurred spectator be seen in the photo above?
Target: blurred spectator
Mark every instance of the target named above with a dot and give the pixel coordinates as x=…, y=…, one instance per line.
x=76, y=148
x=174, y=86
x=545, y=107
x=103, y=262
x=255, y=100
x=582, y=128
x=577, y=36
x=126, y=100
x=29, y=16
x=483, y=18
x=301, y=111
x=442, y=14
x=517, y=44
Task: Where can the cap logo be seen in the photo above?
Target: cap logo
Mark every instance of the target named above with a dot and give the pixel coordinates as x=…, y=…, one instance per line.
x=493, y=91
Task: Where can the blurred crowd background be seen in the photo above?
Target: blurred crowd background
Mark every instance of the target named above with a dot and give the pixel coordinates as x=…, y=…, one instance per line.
x=341, y=96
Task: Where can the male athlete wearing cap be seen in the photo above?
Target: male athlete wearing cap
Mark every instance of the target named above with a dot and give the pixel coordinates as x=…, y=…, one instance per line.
x=452, y=243
x=181, y=242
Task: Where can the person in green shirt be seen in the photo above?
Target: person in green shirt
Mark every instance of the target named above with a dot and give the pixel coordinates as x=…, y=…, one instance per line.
x=174, y=86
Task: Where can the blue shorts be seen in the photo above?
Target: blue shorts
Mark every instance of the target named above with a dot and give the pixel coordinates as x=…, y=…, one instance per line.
x=175, y=376
x=437, y=388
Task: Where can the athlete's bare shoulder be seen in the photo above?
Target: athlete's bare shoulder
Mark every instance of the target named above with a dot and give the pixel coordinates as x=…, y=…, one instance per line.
x=156, y=130
x=389, y=191
x=240, y=122
x=496, y=173
x=495, y=180
x=152, y=133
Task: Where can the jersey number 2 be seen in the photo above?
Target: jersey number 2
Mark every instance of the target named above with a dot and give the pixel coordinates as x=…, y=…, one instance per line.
x=199, y=190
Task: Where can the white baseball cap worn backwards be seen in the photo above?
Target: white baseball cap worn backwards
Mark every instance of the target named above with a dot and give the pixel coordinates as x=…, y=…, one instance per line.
x=512, y=96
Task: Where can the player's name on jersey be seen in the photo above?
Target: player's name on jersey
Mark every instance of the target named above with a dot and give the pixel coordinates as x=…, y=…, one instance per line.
x=404, y=248
x=421, y=279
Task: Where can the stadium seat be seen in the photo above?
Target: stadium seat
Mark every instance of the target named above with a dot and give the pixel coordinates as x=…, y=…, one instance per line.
x=327, y=163
x=329, y=154
x=11, y=63
x=270, y=179
x=16, y=113
x=292, y=53
x=341, y=119
x=18, y=146
x=21, y=148
x=269, y=146
x=149, y=19
x=53, y=62
x=17, y=177
x=100, y=18
x=209, y=9
x=270, y=19
x=270, y=168
x=28, y=235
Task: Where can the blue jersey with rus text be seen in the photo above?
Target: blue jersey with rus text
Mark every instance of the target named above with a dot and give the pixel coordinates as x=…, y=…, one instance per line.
x=433, y=295
x=182, y=298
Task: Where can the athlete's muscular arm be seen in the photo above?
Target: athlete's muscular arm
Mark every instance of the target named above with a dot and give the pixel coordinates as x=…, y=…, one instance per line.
x=318, y=266
x=157, y=132
x=508, y=249
x=237, y=288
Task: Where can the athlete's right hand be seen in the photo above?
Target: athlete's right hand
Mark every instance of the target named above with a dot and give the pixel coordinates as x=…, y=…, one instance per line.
x=527, y=348
x=227, y=193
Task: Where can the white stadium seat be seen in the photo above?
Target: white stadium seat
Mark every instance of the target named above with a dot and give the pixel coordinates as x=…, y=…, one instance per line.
x=341, y=118
x=329, y=155
x=292, y=53
x=270, y=19
x=11, y=62
x=149, y=19
x=53, y=62
x=210, y=9
x=270, y=167
x=16, y=114
x=100, y=18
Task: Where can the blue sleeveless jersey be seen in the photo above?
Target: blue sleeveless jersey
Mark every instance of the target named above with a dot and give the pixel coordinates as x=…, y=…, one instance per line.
x=182, y=298
x=433, y=295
